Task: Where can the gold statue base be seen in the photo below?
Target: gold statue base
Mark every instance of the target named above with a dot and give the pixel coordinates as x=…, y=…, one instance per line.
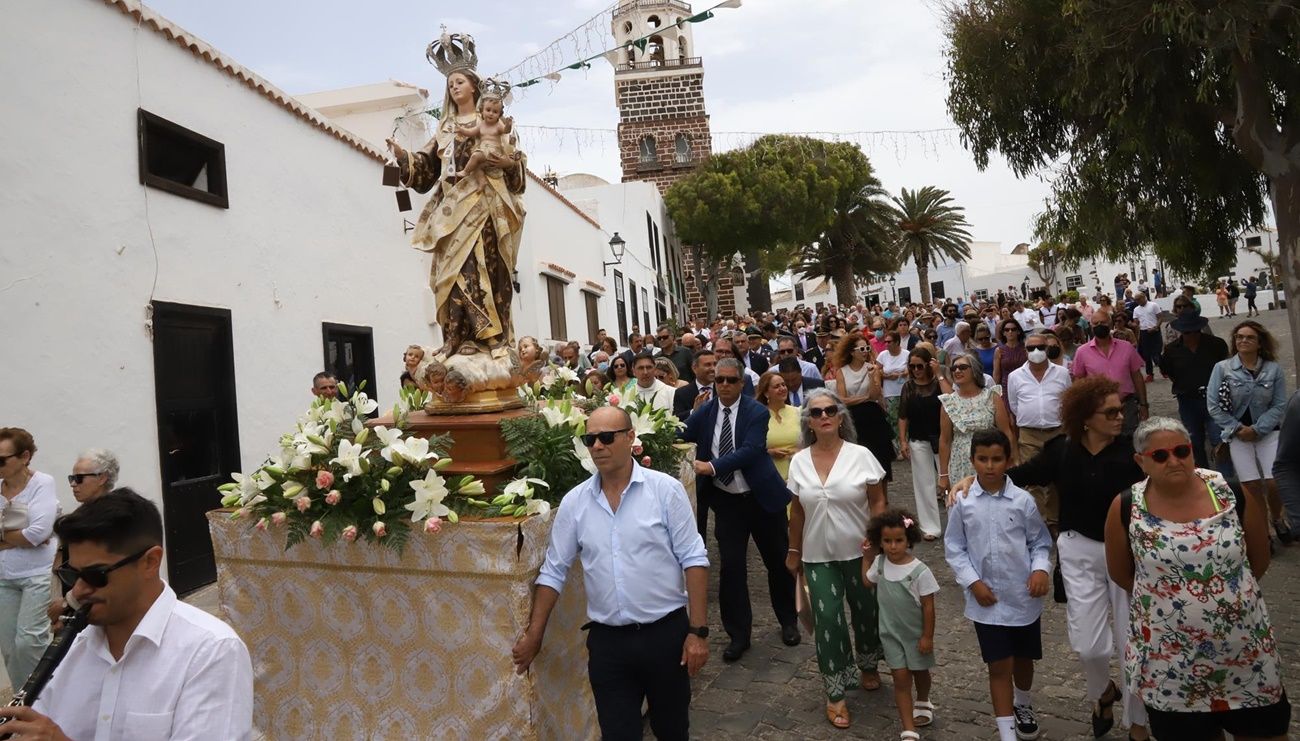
x=479, y=402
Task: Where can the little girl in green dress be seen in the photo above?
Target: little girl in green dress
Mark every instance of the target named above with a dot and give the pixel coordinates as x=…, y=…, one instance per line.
x=905, y=590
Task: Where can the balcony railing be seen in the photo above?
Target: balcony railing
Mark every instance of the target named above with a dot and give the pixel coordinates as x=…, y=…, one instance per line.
x=651, y=64
x=632, y=5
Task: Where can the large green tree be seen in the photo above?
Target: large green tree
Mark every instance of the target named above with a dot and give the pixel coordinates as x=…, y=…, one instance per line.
x=779, y=191
x=931, y=227
x=1167, y=124
x=859, y=247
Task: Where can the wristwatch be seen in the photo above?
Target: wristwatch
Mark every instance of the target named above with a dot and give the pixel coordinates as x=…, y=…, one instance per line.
x=702, y=631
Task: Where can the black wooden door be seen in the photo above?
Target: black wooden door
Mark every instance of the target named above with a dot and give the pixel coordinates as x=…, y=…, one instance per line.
x=198, y=435
x=350, y=356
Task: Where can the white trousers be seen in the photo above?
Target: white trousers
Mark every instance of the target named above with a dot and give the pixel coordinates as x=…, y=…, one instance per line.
x=1096, y=616
x=1254, y=460
x=925, y=486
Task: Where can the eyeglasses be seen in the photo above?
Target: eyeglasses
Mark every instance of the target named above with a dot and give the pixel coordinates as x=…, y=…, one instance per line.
x=95, y=576
x=1031, y=348
x=817, y=412
x=5, y=458
x=605, y=438
x=787, y=351
x=1111, y=413
x=726, y=380
x=916, y=366
x=1245, y=338
x=1160, y=455
x=860, y=349
x=931, y=336
x=663, y=337
x=77, y=478
x=960, y=368
x=1010, y=329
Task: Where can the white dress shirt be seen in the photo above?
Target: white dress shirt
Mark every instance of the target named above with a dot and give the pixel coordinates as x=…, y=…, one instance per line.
x=835, y=513
x=1147, y=315
x=1034, y=403
x=1028, y=318
x=890, y=363
x=633, y=559
x=184, y=676
x=738, y=483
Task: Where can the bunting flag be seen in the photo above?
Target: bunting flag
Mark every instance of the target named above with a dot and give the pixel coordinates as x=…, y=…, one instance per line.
x=613, y=55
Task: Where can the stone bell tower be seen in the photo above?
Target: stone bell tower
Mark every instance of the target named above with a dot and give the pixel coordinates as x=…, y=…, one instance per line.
x=663, y=129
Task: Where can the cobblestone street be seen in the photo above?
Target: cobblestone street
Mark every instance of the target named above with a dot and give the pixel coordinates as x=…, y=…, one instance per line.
x=775, y=692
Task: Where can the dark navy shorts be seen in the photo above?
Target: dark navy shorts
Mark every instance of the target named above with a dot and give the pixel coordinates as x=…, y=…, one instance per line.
x=998, y=642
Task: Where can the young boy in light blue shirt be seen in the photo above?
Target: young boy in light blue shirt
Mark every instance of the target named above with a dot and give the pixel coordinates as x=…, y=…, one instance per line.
x=999, y=549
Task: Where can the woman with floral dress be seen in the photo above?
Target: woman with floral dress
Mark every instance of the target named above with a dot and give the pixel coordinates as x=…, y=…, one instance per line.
x=971, y=406
x=1201, y=654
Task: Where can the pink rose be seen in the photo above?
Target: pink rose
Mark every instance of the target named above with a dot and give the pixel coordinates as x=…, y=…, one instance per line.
x=380, y=529
x=645, y=461
x=613, y=399
x=350, y=533
x=303, y=503
x=261, y=524
x=333, y=497
x=432, y=525
x=278, y=518
x=317, y=529
x=324, y=480
x=637, y=450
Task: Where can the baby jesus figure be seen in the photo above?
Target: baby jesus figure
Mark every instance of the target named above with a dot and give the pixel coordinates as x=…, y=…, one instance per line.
x=491, y=134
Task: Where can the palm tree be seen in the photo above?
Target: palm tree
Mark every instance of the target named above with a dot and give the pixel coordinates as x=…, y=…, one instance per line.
x=858, y=248
x=930, y=227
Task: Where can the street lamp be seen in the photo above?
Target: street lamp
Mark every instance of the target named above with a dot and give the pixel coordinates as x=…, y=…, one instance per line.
x=892, y=289
x=618, y=246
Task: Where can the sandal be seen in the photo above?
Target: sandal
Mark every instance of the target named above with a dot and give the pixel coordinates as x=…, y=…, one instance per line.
x=870, y=681
x=1103, y=716
x=838, y=716
x=909, y=736
x=923, y=713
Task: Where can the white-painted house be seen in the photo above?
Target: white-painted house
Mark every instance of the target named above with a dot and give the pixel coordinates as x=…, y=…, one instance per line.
x=185, y=245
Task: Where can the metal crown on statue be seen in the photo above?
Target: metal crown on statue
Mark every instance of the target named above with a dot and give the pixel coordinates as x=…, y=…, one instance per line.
x=451, y=52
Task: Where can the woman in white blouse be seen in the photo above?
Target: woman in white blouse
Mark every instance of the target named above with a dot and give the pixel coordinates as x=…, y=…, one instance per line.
x=26, y=551
x=838, y=485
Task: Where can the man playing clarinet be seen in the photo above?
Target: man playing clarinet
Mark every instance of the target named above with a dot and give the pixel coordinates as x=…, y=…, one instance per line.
x=149, y=666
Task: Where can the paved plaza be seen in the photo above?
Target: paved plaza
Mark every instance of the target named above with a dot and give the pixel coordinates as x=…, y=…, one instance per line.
x=775, y=692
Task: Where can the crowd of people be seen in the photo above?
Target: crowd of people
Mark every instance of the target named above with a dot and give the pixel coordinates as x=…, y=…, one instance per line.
x=1030, y=422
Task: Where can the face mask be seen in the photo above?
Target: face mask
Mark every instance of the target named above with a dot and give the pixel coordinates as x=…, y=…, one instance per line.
x=1101, y=330
x=879, y=333
x=1053, y=352
x=602, y=367
x=1037, y=355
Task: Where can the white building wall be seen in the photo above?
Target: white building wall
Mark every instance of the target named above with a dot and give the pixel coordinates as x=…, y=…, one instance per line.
x=310, y=237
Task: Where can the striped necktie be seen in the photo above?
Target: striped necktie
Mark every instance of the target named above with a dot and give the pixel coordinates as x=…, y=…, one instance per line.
x=726, y=445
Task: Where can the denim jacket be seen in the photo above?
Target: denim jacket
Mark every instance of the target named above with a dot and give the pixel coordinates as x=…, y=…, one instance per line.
x=1264, y=395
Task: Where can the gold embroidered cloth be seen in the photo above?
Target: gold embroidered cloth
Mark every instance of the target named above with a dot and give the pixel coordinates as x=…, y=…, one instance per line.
x=353, y=641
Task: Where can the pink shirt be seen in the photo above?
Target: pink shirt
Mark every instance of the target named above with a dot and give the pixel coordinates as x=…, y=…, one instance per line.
x=1118, y=366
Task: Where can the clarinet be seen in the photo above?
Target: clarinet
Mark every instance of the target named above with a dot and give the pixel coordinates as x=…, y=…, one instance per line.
x=73, y=623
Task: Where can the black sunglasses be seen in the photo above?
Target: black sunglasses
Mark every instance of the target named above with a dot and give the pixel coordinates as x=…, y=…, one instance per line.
x=823, y=412
x=95, y=576
x=5, y=458
x=1162, y=454
x=916, y=366
x=726, y=380
x=960, y=367
x=77, y=478
x=605, y=438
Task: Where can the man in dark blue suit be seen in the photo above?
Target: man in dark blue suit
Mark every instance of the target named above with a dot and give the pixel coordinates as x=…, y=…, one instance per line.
x=796, y=382
x=748, y=498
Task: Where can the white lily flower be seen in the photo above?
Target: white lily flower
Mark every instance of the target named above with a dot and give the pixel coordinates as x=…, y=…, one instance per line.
x=357, y=426
x=566, y=374
x=334, y=412
x=263, y=480
x=583, y=455
x=349, y=457
x=364, y=404
x=643, y=424
x=537, y=507
x=416, y=449
x=473, y=488
x=554, y=417
x=429, y=494
x=294, y=459
x=523, y=487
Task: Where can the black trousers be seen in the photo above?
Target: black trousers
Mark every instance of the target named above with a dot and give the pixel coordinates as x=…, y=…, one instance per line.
x=737, y=518
x=703, y=500
x=628, y=664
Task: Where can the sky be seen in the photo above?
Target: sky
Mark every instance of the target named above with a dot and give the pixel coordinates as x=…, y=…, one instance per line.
x=769, y=66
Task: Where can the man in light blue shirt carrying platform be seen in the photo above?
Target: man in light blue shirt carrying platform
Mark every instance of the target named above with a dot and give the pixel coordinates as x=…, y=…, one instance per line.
x=646, y=575
x=1000, y=552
